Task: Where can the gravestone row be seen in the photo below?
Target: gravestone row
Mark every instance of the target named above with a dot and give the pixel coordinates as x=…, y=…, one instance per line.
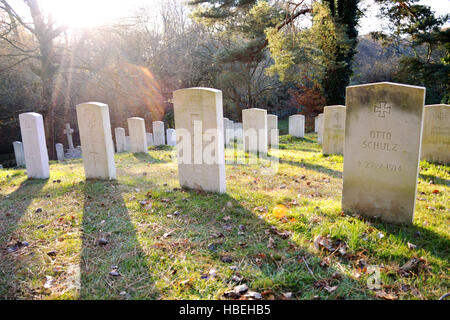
x=379, y=131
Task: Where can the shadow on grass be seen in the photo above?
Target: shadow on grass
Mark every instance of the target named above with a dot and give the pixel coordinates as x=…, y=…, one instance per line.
x=163, y=147
x=291, y=139
x=119, y=269
x=146, y=157
x=280, y=268
x=315, y=167
x=27, y=191
x=436, y=180
x=289, y=147
x=12, y=209
x=435, y=244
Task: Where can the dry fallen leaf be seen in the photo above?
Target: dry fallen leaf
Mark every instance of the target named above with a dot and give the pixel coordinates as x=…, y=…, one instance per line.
x=387, y=296
x=271, y=244
x=330, y=289
x=259, y=209
x=411, y=246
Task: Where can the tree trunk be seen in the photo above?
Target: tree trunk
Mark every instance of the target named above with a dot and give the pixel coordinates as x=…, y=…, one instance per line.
x=45, y=35
x=237, y=101
x=48, y=99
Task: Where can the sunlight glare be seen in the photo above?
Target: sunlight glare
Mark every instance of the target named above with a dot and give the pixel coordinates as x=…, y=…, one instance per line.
x=80, y=14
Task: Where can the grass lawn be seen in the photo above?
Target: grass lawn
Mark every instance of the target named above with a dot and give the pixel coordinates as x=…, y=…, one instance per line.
x=158, y=241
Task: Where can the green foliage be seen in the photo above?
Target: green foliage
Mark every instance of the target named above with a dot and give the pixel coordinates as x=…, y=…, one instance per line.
x=169, y=119
x=322, y=53
x=429, y=64
x=211, y=11
x=240, y=54
x=341, y=49
x=434, y=76
x=284, y=54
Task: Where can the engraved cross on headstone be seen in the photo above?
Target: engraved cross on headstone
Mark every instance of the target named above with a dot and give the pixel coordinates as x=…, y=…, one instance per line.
x=337, y=116
x=382, y=109
x=439, y=115
x=93, y=156
x=68, y=131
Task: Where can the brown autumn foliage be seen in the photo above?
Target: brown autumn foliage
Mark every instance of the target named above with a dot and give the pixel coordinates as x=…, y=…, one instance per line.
x=309, y=95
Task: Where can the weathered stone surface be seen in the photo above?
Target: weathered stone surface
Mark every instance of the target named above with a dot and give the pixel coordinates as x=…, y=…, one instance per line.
x=382, y=146
x=68, y=132
x=200, y=138
x=138, y=140
x=19, y=154
x=297, y=126
x=272, y=125
x=231, y=131
x=320, y=128
x=150, y=141
x=171, y=137
x=316, y=124
x=254, y=122
x=226, y=132
x=333, y=130
x=34, y=145
x=120, y=139
x=96, y=140
x=158, y=133
x=436, y=133
x=59, y=151
x=238, y=131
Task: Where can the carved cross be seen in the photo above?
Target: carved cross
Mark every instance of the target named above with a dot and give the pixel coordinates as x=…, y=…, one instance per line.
x=93, y=155
x=440, y=115
x=382, y=109
x=337, y=116
x=68, y=131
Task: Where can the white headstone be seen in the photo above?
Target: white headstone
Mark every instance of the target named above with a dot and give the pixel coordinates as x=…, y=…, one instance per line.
x=59, y=151
x=120, y=139
x=320, y=128
x=297, y=125
x=383, y=132
x=18, y=152
x=226, y=131
x=149, y=139
x=158, y=133
x=254, y=122
x=238, y=135
x=231, y=131
x=316, y=124
x=333, y=130
x=96, y=140
x=34, y=145
x=272, y=124
x=138, y=140
x=436, y=133
x=200, y=141
x=171, y=137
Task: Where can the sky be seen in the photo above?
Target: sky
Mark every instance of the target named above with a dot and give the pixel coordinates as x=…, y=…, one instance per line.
x=90, y=13
x=371, y=22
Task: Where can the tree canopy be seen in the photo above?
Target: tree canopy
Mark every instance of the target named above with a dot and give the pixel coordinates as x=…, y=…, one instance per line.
x=269, y=54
